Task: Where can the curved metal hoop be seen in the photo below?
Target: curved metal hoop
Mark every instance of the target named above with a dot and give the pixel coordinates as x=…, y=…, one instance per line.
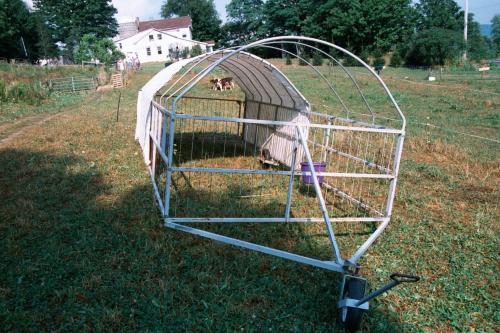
x=263, y=42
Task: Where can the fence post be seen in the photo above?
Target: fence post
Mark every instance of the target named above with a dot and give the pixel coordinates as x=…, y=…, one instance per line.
x=73, y=83
x=118, y=107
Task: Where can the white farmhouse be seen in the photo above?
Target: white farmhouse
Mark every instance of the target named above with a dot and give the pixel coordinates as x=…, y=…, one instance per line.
x=151, y=41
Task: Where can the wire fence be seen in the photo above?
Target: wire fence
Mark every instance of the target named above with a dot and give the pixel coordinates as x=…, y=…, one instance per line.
x=72, y=84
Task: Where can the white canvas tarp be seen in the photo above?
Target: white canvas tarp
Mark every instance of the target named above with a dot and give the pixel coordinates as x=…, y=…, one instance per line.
x=261, y=82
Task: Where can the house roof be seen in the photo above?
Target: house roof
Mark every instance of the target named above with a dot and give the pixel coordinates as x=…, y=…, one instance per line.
x=166, y=24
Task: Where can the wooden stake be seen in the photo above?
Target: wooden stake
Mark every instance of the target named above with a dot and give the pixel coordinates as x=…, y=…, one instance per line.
x=118, y=108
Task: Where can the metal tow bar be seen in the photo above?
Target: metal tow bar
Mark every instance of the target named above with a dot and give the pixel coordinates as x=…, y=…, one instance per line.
x=397, y=278
x=353, y=304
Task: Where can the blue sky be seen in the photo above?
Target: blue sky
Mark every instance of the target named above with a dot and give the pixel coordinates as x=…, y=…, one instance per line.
x=483, y=10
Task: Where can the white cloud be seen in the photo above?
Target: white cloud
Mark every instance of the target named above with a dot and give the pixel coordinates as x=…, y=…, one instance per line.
x=144, y=9
x=221, y=8
x=150, y=9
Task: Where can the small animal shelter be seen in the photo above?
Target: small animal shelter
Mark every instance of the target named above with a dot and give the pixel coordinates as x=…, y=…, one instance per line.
x=268, y=152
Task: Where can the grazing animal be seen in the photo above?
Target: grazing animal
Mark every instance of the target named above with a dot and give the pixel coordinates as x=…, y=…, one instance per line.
x=227, y=83
x=216, y=84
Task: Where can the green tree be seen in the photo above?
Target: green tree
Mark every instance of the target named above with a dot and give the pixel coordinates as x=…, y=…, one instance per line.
x=445, y=20
x=284, y=17
x=495, y=32
x=16, y=21
x=92, y=47
x=244, y=23
x=478, y=46
x=196, y=50
x=70, y=20
x=359, y=24
x=444, y=14
x=206, y=21
x=46, y=46
x=435, y=46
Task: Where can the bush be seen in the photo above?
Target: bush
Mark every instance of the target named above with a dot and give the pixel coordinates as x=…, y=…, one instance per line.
x=304, y=59
x=379, y=62
x=288, y=60
x=350, y=61
x=2, y=90
x=364, y=55
x=196, y=50
x=317, y=59
x=396, y=60
x=185, y=53
x=31, y=93
x=335, y=54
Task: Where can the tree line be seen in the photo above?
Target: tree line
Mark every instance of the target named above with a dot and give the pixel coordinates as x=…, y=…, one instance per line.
x=429, y=32
x=52, y=26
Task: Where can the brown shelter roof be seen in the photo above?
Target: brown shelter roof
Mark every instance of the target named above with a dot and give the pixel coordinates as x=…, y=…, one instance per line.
x=166, y=24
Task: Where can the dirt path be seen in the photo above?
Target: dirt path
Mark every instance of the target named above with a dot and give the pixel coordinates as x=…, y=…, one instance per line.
x=12, y=130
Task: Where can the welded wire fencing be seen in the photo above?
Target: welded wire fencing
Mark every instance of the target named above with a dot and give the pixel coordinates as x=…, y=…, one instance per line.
x=71, y=84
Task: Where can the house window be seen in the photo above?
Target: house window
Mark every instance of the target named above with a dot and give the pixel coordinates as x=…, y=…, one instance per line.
x=184, y=36
x=120, y=45
x=159, y=49
x=158, y=36
x=151, y=37
x=148, y=51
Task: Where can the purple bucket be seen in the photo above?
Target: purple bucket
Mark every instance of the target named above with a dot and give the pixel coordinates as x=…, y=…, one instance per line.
x=318, y=167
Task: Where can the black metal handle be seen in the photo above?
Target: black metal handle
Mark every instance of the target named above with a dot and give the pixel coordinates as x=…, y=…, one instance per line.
x=400, y=278
x=396, y=278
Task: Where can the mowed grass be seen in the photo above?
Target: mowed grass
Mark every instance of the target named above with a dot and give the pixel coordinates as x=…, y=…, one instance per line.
x=83, y=247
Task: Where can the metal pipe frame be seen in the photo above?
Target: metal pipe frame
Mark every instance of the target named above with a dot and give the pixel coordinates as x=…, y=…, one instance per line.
x=283, y=173
x=329, y=56
x=339, y=265
x=354, y=158
x=331, y=266
x=355, y=201
x=319, y=194
x=272, y=219
x=294, y=38
x=317, y=72
x=287, y=123
x=288, y=206
x=328, y=117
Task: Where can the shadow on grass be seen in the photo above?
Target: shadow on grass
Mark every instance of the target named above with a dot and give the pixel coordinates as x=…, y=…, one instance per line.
x=73, y=261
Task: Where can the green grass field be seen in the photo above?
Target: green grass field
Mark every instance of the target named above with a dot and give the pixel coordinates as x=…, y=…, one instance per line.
x=29, y=97
x=83, y=246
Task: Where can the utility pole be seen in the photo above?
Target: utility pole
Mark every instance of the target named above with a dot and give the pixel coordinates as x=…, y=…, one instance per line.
x=466, y=19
